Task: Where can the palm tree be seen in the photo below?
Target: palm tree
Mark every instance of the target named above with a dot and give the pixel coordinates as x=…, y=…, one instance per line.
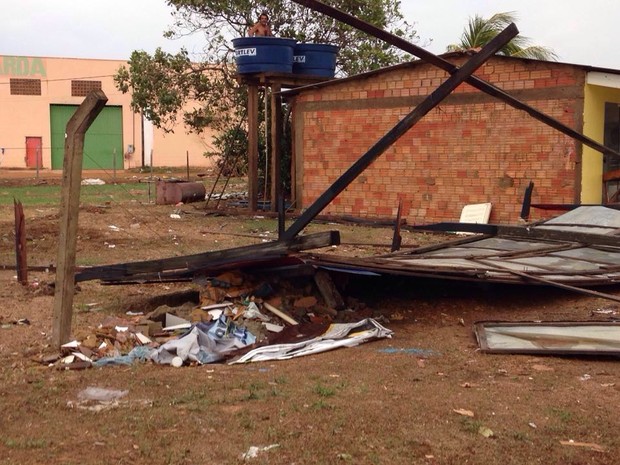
x=480, y=31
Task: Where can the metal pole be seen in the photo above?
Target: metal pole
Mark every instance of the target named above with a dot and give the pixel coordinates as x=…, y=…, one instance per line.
x=187, y=162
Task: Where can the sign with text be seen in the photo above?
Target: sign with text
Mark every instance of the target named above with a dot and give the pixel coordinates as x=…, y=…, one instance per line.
x=22, y=66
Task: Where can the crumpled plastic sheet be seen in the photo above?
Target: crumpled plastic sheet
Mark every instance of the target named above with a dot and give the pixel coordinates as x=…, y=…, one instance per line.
x=140, y=353
x=337, y=335
x=203, y=343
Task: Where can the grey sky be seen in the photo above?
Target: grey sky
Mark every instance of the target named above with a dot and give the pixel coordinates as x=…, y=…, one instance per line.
x=579, y=32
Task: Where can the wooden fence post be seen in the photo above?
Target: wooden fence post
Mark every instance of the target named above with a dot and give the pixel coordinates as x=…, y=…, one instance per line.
x=20, y=243
x=69, y=208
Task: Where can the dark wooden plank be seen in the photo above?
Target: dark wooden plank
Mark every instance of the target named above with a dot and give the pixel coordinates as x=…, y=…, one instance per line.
x=210, y=259
x=276, y=145
x=328, y=290
x=253, y=147
x=524, y=232
x=397, y=239
x=20, y=243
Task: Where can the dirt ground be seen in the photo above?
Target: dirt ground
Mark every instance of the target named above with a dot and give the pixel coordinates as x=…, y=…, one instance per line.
x=391, y=401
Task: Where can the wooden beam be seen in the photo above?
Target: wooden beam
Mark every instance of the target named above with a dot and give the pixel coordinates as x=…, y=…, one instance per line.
x=69, y=208
x=524, y=232
x=211, y=259
x=400, y=129
x=253, y=147
x=276, y=145
x=20, y=243
x=397, y=238
x=478, y=83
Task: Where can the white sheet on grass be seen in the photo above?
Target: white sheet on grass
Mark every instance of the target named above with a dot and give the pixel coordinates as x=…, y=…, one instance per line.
x=337, y=335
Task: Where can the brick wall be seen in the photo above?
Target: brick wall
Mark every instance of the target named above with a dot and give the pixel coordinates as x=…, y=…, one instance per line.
x=472, y=148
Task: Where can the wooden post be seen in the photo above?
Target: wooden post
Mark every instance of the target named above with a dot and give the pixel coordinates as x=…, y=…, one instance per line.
x=397, y=238
x=38, y=155
x=113, y=165
x=281, y=215
x=276, y=141
x=253, y=147
x=187, y=162
x=20, y=243
x=69, y=208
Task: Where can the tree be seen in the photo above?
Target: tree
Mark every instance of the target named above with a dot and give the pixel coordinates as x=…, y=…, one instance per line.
x=163, y=84
x=480, y=31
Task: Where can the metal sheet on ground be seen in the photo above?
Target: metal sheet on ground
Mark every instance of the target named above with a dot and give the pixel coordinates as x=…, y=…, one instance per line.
x=578, y=338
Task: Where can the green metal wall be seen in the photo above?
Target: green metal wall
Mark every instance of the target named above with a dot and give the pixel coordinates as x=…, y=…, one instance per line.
x=103, y=139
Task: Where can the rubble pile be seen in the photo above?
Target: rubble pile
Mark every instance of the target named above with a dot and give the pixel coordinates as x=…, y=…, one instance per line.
x=236, y=314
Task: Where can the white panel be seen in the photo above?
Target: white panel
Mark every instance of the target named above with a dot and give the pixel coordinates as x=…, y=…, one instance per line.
x=603, y=79
x=476, y=213
x=147, y=128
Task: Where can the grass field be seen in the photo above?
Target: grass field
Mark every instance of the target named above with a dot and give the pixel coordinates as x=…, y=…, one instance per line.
x=50, y=195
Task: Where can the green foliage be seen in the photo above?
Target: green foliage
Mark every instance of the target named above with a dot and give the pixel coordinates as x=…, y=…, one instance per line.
x=50, y=195
x=324, y=391
x=480, y=31
x=221, y=20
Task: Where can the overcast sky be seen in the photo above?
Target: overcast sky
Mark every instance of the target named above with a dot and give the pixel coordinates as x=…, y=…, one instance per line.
x=578, y=31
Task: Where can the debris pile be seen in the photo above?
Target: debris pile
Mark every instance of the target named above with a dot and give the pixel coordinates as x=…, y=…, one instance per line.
x=234, y=318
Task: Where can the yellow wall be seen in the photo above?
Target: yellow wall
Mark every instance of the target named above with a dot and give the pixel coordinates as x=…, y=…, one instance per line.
x=593, y=127
x=24, y=116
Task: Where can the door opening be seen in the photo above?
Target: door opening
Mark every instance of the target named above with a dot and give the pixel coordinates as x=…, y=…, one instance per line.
x=34, y=157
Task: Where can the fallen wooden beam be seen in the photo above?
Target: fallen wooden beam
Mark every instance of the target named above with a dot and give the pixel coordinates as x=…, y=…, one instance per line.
x=20, y=243
x=204, y=260
x=524, y=232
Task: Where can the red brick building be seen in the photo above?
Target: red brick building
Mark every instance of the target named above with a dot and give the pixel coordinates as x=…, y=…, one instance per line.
x=472, y=148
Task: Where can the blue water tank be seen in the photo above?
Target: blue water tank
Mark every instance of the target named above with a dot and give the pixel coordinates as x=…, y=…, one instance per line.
x=263, y=54
x=315, y=59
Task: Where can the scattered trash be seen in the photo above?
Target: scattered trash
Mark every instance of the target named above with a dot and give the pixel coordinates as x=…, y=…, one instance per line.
x=253, y=451
x=412, y=351
x=97, y=399
x=605, y=311
x=486, y=432
x=273, y=328
x=539, y=367
x=337, y=335
x=589, y=445
x=130, y=313
x=585, y=377
x=18, y=322
x=465, y=413
x=92, y=182
x=226, y=322
x=101, y=394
